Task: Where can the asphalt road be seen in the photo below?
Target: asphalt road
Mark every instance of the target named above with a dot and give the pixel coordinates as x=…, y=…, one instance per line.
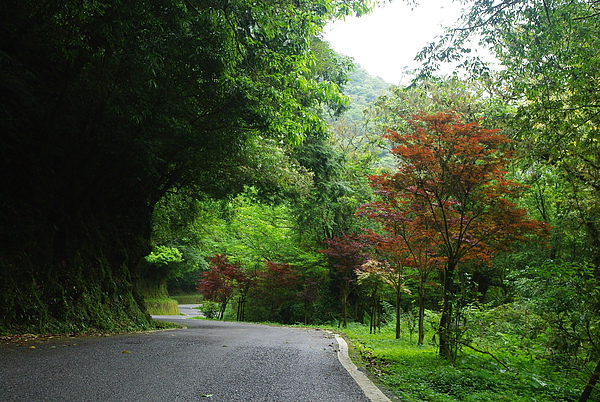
x=213, y=361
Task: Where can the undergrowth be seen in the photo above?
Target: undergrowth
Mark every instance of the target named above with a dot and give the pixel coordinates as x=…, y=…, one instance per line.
x=416, y=373
x=162, y=306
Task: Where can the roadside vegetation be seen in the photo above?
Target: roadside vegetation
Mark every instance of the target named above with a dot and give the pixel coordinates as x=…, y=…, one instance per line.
x=505, y=371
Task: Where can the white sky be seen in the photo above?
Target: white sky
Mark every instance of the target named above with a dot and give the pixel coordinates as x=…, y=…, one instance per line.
x=386, y=41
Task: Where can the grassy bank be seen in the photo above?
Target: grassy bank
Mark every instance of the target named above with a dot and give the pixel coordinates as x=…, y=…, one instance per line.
x=187, y=299
x=417, y=374
x=162, y=306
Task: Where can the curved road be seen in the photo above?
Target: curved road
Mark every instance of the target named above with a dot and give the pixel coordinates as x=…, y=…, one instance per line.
x=209, y=360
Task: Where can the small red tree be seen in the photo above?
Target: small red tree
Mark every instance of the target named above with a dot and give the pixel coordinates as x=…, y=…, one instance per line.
x=220, y=282
x=449, y=201
x=277, y=287
x=346, y=254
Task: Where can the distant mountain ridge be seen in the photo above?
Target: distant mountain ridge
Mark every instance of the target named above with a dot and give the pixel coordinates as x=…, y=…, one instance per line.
x=363, y=89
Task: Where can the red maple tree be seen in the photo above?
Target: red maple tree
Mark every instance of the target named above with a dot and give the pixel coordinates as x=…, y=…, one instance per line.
x=275, y=290
x=346, y=254
x=449, y=202
x=221, y=280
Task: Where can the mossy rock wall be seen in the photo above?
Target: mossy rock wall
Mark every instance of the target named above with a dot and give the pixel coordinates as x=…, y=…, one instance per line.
x=72, y=270
x=162, y=306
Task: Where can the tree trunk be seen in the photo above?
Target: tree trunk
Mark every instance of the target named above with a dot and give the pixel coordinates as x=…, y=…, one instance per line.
x=398, y=299
x=345, y=292
x=374, y=321
x=587, y=391
x=241, y=310
x=222, y=310
x=421, y=313
x=447, y=348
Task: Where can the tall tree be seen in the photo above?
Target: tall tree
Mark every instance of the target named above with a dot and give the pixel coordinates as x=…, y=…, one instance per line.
x=452, y=174
x=547, y=50
x=105, y=107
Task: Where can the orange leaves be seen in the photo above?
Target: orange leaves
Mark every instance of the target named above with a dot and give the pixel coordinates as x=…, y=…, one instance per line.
x=449, y=195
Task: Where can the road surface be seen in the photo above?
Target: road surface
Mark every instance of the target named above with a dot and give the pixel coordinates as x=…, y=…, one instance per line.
x=209, y=360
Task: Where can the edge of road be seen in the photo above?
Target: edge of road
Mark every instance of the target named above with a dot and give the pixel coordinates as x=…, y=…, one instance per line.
x=369, y=388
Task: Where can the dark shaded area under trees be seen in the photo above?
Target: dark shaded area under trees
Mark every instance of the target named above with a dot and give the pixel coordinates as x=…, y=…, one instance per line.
x=106, y=107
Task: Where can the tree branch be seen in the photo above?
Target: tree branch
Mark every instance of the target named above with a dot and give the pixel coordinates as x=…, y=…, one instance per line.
x=485, y=352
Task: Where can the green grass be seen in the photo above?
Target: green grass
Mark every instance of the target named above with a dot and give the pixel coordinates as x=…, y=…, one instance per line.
x=162, y=306
x=417, y=374
x=188, y=299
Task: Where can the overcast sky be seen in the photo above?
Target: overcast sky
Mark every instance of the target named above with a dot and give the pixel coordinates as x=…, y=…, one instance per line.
x=386, y=41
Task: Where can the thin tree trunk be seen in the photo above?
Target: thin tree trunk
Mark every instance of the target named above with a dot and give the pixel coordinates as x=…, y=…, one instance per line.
x=398, y=294
x=421, y=313
x=447, y=347
x=374, y=308
x=587, y=391
x=222, y=312
x=241, y=312
x=345, y=292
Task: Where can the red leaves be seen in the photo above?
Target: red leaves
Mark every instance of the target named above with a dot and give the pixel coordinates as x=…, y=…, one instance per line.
x=221, y=280
x=449, y=196
x=346, y=253
x=275, y=282
x=277, y=276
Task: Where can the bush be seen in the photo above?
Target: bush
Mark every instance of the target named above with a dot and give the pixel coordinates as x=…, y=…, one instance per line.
x=210, y=309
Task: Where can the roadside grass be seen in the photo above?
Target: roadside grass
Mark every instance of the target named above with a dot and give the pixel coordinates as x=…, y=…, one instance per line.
x=162, y=306
x=187, y=299
x=416, y=373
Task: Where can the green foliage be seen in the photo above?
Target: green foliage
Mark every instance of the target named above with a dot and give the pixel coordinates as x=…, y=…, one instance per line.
x=250, y=231
x=105, y=108
x=328, y=209
x=163, y=255
x=187, y=298
x=352, y=134
x=416, y=373
x=210, y=309
x=554, y=292
x=470, y=98
x=363, y=90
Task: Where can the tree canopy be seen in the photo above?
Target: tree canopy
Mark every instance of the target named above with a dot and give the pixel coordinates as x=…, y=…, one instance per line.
x=106, y=107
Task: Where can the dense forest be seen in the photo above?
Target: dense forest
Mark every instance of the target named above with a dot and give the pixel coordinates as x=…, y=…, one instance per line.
x=223, y=148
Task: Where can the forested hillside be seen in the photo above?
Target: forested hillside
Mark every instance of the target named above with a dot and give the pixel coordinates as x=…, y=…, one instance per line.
x=363, y=89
